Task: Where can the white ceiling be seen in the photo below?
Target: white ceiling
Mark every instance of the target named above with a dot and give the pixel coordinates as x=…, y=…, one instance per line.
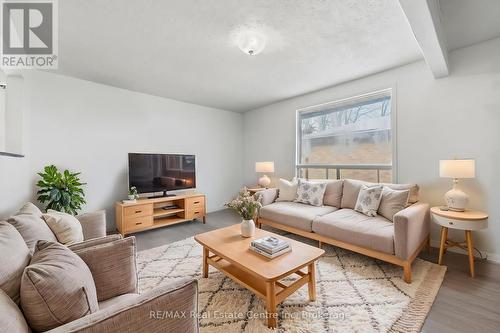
x=181, y=49
x=468, y=22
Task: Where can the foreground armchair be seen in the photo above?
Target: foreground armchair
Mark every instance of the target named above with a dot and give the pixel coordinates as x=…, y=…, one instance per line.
x=112, y=264
x=112, y=261
x=164, y=309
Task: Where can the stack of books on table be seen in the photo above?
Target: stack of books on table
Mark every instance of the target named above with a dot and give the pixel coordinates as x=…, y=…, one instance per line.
x=270, y=247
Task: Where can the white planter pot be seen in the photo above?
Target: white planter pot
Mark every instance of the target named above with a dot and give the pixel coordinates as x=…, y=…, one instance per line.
x=131, y=197
x=247, y=228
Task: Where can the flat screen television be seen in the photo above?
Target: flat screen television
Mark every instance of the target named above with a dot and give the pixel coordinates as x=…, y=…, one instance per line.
x=161, y=172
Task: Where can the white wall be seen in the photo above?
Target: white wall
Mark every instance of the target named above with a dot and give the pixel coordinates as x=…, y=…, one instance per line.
x=89, y=127
x=457, y=116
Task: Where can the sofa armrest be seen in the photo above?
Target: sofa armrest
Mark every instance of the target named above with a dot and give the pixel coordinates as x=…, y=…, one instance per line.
x=93, y=224
x=163, y=309
x=94, y=242
x=411, y=228
x=267, y=195
x=113, y=266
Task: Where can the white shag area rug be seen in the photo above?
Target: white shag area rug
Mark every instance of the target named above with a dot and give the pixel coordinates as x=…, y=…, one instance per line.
x=354, y=293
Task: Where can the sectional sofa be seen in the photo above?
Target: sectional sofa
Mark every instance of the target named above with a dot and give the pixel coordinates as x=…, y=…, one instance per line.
x=112, y=262
x=337, y=223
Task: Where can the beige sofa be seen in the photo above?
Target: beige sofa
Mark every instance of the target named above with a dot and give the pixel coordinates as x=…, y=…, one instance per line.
x=120, y=307
x=337, y=223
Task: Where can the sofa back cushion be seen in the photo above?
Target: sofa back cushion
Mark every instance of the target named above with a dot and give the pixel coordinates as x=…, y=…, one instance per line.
x=14, y=257
x=11, y=318
x=351, y=190
x=333, y=193
x=119, y=254
x=28, y=221
x=56, y=288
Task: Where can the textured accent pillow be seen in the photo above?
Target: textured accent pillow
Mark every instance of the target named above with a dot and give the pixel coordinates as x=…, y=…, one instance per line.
x=392, y=202
x=66, y=227
x=14, y=257
x=311, y=193
x=113, y=267
x=369, y=200
x=56, y=288
x=333, y=192
x=287, y=189
x=11, y=318
x=28, y=221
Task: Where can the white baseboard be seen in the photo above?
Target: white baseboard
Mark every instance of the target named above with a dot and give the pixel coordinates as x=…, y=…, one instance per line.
x=493, y=257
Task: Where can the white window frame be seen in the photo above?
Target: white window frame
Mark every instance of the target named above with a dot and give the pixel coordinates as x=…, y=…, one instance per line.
x=348, y=100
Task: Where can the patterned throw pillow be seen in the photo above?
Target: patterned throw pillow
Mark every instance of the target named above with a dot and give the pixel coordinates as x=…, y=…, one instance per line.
x=310, y=193
x=369, y=200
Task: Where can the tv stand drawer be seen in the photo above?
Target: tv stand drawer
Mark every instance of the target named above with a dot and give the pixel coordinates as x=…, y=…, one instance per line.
x=138, y=211
x=132, y=224
x=195, y=214
x=196, y=203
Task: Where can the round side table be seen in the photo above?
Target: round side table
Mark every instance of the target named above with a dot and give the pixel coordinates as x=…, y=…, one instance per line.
x=467, y=221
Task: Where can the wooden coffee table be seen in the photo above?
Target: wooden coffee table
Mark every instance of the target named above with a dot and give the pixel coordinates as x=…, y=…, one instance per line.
x=226, y=250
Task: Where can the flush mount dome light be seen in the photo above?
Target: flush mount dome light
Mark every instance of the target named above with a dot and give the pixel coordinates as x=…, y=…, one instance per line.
x=251, y=42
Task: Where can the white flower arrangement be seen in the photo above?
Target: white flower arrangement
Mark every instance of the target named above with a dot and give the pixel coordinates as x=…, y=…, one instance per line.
x=245, y=204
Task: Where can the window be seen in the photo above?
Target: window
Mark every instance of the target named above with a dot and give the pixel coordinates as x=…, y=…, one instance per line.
x=351, y=138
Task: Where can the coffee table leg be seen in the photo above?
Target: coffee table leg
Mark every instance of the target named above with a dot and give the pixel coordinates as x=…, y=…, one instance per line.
x=205, y=263
x=312, y=282
x=271, y=304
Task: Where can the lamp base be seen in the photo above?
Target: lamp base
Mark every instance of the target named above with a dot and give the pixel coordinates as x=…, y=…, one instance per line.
x=264, y=181
x=456, y=199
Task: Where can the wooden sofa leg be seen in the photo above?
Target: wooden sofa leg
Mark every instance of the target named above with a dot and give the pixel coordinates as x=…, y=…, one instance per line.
x=407, y=272
x=320, y=244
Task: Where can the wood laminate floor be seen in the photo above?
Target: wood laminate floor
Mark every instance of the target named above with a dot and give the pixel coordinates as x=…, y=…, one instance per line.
x=463, y=304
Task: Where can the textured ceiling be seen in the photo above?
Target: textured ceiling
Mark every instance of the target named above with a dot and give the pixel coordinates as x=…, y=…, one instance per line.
x=182, y=49
x=468, y=22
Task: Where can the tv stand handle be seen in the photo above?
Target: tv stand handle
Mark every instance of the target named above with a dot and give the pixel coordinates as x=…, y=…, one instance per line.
x=196, y=202
x=138, y=211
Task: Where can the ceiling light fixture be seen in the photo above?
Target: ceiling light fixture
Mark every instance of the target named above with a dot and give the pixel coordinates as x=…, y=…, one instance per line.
x=251, y=42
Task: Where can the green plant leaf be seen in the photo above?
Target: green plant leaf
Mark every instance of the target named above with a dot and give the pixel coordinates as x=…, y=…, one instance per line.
x=60, y=191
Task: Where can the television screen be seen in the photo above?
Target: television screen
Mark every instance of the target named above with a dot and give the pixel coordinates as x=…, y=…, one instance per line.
x=161, y=172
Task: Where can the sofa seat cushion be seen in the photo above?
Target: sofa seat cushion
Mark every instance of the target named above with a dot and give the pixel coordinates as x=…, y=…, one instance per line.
x=349, y=226
x=294, y=214
x=117, y=300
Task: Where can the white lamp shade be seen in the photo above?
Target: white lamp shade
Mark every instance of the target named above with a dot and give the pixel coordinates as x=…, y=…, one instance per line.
x=457, y=168
x=264, y=166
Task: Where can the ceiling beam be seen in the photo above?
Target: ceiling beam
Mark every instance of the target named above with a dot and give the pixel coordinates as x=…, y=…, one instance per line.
x=424, y=19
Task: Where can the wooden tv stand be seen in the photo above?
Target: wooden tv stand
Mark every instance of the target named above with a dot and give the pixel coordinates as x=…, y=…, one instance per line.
x=148, y=214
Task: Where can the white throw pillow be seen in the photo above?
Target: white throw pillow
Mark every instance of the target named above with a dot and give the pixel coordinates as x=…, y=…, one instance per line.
x=66, y=227
x=311, y=193
x=369, y=200
x=287, y=189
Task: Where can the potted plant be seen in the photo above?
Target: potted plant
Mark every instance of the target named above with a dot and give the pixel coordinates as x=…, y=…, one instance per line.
x=61, y=191
x=132, y=193
x=247, y=206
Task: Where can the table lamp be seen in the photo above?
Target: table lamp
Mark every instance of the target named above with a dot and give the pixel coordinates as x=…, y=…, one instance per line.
x=264, y=167
x=456, y=199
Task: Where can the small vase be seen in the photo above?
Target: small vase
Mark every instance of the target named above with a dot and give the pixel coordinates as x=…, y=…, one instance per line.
x=131, y=197
x=247, y=228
